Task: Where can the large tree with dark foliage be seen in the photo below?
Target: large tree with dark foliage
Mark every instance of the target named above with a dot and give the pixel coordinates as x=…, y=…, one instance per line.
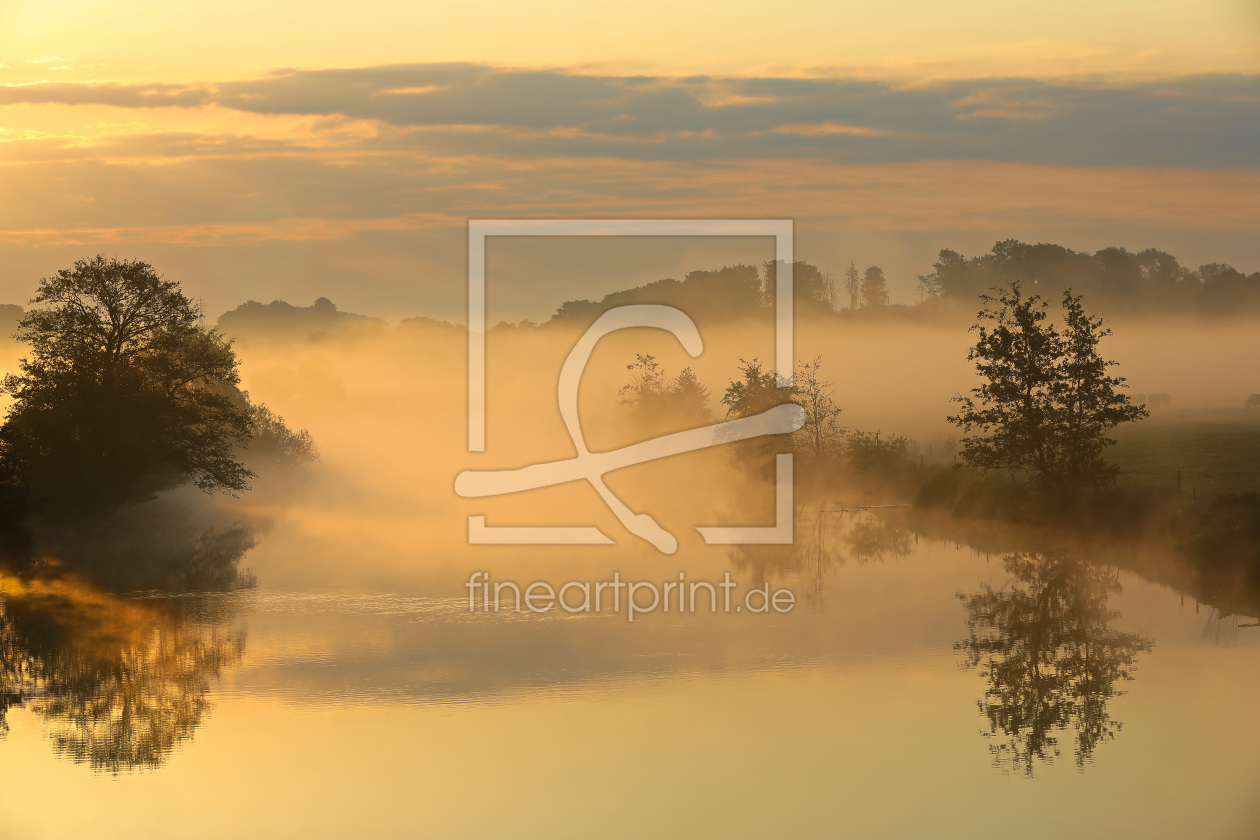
x=1047, y=400
x=123, y=394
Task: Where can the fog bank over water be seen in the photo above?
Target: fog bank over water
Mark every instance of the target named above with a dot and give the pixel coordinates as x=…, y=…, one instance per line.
x=387, y=409
x=387, y=405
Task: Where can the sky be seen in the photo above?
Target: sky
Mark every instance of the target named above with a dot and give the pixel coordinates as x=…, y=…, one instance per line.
x=295, y=150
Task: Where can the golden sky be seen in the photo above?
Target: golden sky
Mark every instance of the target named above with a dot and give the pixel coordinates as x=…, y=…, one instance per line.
x=148, y=40
x=285, y=149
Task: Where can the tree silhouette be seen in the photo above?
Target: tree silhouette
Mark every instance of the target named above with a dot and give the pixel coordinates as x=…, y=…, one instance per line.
x=123, y=393
x=757, y=390
x=1049, y=658
x=821, y=434
x=656, y=402
x=1047, y=401
x=853, y=285
x=874, y=288
x=810, y=287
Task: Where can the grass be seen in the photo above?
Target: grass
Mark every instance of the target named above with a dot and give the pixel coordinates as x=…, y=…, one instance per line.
x=1215, y=453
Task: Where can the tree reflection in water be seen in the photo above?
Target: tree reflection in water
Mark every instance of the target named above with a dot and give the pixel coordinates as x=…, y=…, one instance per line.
x=120, y=682
x=1050, y=660
x=825, y=536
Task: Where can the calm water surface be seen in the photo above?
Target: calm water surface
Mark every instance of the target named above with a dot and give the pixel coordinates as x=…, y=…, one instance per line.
x=919, y=689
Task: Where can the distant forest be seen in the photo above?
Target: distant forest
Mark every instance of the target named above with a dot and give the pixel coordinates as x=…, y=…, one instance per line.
x=284, y=321
x=1112, y=278
x=1113, y=281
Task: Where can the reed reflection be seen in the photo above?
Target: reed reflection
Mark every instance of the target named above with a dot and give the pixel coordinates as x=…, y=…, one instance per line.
x=1050, y=660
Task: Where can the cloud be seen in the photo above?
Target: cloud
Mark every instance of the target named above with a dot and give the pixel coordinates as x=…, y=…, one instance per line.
x=104, y=93
x=1192, y=121
x=1197, y=121
x=370, y=173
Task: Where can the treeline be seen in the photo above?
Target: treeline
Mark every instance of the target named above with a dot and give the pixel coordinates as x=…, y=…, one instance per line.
x=279, y=320
x=1113, y=278
x=732, y=290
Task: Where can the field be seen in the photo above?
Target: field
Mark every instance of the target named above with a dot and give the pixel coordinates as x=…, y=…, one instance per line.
x=1215, y=453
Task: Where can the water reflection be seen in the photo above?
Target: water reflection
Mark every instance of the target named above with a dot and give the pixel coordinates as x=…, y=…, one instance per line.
x=160, y=545
x=1221, y=628
x=826, y=535
x=119, y=683
x=1049, y=658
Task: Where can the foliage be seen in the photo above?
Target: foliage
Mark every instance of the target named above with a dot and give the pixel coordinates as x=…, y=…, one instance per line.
x=279, y=320
x=1046, y=402
x=758, y=390
x=1115, y=277
x=730, y=290
x=874, y=288
x=272, y=438
x=810, y=287
x=822, y=433
x=870, y=454
x=123, y=394
x=650, y=395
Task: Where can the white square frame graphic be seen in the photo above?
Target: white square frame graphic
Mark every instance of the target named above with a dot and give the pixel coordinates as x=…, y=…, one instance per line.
x=478, y=229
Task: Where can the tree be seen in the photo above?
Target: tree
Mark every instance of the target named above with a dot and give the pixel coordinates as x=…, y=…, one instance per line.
x=123, y=394
x=758, y=391
x=271, y=437
x=874, y=288
x=653, y=398
x=810, y=287
x=822, y=432
x=1047, y=401
x=853, y=285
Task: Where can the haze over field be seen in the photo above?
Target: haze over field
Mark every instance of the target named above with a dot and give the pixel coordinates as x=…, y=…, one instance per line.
x=387, y=408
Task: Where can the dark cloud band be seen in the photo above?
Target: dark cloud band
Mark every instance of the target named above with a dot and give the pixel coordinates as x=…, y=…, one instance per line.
x=1198, y=121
